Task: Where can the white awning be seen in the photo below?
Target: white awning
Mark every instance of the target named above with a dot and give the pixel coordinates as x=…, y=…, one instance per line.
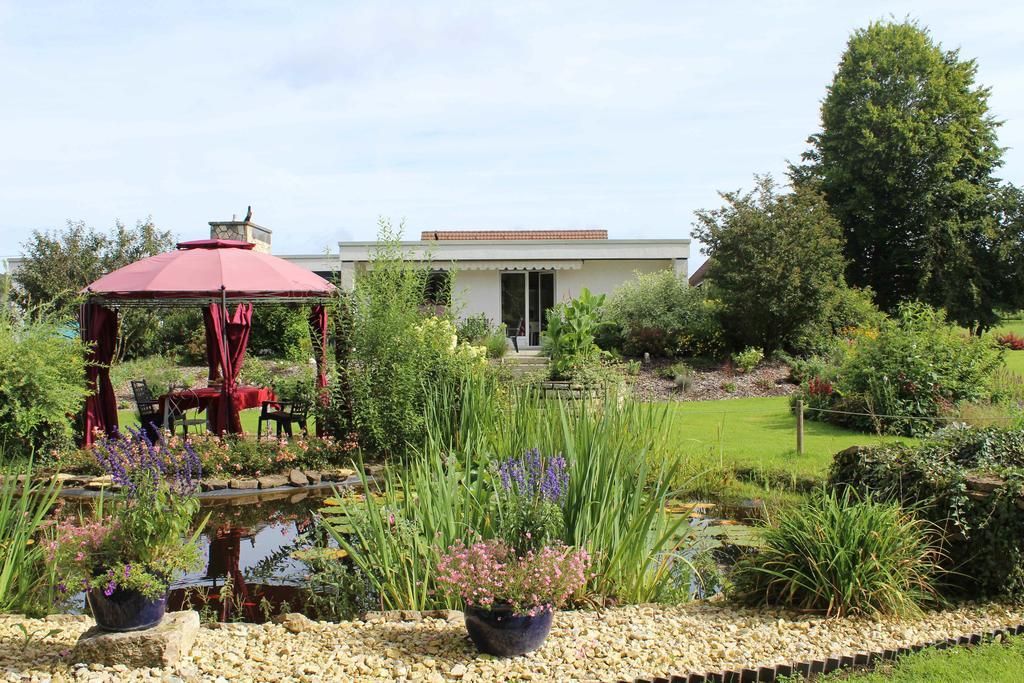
x=574, y=264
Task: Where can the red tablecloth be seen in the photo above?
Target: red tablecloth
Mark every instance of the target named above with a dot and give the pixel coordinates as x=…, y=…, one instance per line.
x=207, y=398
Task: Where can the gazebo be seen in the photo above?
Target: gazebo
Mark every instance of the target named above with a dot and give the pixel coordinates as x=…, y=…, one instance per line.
x=213, y=274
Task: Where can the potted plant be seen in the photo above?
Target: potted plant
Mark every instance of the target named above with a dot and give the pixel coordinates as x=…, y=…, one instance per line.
x=510, y=598
x=511, y=585
x=126, y=554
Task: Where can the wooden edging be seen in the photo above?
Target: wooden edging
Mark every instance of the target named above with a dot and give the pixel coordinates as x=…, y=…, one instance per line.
x=807, y=669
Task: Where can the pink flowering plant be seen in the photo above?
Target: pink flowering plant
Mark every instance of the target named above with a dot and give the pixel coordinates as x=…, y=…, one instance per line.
x=491, y=575
x=140, y=539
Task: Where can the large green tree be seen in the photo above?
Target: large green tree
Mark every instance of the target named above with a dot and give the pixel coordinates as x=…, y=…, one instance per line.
x=776, y=262
x=905, y=158
x=59, y=263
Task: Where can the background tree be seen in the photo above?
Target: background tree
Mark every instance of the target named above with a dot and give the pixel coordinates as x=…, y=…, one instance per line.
x=59, y=263
x=776, y=260
x=905, y=159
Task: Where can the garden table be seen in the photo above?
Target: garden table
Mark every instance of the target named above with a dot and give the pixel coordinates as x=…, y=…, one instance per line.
x=208, y=398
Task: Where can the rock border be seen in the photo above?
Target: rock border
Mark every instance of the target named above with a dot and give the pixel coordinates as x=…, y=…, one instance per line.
x=83, y=486
x=807, y=669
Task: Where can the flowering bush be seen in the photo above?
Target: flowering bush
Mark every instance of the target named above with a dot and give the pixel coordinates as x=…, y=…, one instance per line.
x=490, y=574
x=530, y=499
x=747, y=359
x=1010, y=341
x=137, y=541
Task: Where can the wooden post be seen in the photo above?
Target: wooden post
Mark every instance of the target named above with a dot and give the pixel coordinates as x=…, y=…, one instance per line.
x=799, y=427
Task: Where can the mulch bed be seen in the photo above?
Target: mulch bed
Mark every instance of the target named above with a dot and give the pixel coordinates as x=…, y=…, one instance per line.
x=713, y=382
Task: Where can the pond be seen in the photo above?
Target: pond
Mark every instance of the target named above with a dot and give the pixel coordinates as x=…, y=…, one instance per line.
x=252, y=547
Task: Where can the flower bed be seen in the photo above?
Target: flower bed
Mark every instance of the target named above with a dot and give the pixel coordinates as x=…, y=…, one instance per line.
x=605, y=645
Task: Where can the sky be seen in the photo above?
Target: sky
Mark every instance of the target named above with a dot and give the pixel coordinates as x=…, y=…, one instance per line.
x=326, y=117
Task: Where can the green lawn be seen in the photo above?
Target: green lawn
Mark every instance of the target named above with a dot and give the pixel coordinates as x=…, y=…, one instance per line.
x=250, y=418
x=991, y=663
x=759, y=433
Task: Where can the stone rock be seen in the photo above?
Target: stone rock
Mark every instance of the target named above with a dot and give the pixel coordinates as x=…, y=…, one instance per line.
x=297, y=478
x=294, y=622
x=161, y=646
x=97, y=483
x=243, y=483
x=314, y=476
x=273, y=481
x=70, y=480
x=214, y=484
x=984, y=483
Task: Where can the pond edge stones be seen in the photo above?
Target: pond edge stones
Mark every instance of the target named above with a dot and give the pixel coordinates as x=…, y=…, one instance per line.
x=160, y=646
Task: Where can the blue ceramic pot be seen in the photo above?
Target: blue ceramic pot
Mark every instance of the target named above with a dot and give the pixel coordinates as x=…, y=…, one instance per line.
x=125, y=610
x=503, y=633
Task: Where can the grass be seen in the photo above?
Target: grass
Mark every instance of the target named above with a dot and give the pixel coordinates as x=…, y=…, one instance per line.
x=988, y=663
x=739, y=449
x=250, y=419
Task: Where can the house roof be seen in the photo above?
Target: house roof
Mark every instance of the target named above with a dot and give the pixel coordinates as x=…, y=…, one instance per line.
x=699, y=274
x=440, y=235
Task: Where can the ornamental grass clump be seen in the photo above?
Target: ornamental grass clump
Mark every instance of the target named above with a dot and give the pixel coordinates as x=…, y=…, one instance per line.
x=840, y=555
x=138, y=540
x=491, y=574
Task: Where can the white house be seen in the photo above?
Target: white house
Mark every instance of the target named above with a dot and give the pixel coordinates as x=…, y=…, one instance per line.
x=509, y=276
x=514, y=276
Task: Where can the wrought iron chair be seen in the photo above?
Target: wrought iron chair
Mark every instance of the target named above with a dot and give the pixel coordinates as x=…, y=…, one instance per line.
x=177, y=411
x=514, y=335
x=150, y=417
x=284, y=414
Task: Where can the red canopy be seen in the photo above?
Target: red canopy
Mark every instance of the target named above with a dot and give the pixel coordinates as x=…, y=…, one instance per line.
x=203, y=268
x=207, y=272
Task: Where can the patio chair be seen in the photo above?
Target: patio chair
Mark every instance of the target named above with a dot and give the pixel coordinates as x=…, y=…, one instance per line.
x=283, y=414
x=150, y=417
x=514, y=335
x=178, y=411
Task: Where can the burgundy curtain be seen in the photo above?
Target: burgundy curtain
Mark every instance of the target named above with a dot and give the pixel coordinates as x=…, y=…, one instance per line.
x=98, y=326
x=229, y=359
x=318, y=333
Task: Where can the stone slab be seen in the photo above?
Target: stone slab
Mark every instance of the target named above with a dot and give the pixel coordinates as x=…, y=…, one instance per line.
x=297, y=478
x=243, y=484
x=160, y=646
x=272, y=481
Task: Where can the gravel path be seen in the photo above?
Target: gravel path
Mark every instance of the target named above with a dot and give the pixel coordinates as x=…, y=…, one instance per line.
x=603, y=645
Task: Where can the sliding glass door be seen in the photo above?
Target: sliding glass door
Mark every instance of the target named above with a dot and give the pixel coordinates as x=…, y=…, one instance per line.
x=526, y=297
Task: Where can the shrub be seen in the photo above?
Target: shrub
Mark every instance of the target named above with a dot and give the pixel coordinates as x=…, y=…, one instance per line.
x=633, y=367
x=496, y=342
x=398, y=350
x=659, y=313
x=569, y=338
x=682, y=375
x=983, y=536
x=748, y=359
x=839, y=555
x=912, y=369
x=281, y=331
x=474, y=328
x=1010, y=341
x=42, y=382
x=848, y=308
x=729, y=387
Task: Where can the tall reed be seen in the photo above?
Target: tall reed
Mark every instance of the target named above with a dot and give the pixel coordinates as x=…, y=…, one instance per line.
x=23, y=510
x=620, y=477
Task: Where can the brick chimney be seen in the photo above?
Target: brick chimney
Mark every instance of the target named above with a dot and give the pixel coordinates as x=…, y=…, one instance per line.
x=244, y=230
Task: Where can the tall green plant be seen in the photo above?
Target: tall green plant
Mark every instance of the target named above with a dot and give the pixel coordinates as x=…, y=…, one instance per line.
x=614, y=506
x=839, y=555
x=23, y=511
x=569, y=339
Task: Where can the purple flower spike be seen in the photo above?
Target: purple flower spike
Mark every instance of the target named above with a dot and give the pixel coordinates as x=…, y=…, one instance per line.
x=533, y=476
